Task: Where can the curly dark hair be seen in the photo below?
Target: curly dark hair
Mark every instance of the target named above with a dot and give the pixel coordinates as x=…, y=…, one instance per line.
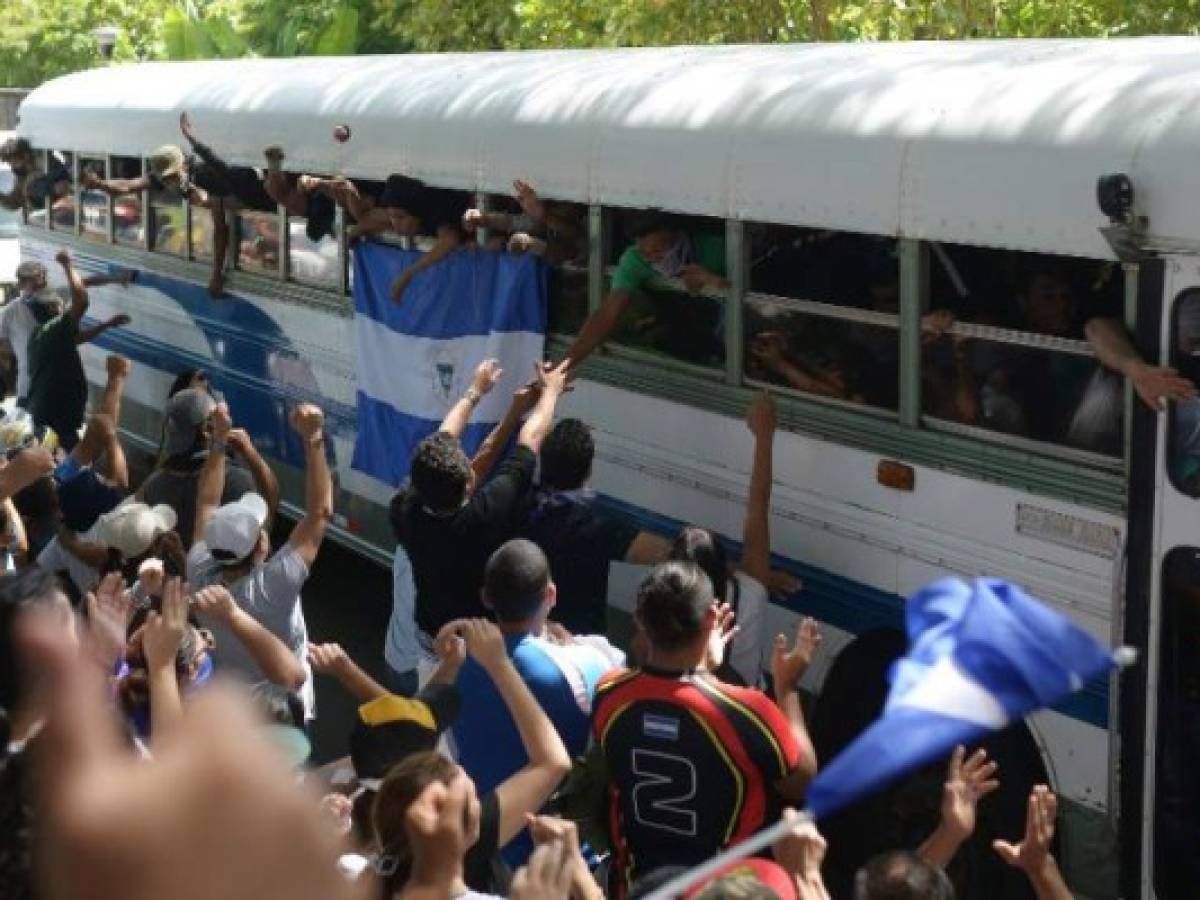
x=441, y=472
x=566, y=455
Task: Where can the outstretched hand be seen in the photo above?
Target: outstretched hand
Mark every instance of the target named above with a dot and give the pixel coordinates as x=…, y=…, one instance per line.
x=1032, y=854
x=1158, y=384
x=968, y=780
x=185, y=127
x=723, y=633
x=788, y=665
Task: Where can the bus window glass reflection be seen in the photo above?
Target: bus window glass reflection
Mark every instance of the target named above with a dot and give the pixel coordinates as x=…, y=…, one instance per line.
x=1032, y=374
x=258, y=242
x=821, y=314
x=127, y=208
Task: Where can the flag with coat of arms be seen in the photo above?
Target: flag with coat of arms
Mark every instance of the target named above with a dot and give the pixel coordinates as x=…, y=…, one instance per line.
x=416, y=358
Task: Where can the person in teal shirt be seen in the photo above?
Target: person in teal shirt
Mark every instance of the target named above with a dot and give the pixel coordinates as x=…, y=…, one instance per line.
x=660, y=249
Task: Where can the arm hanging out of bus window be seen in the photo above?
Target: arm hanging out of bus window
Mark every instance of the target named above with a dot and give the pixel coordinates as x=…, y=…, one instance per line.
x=220, y=231
x=449, y=238
x=1154, y=384
x=599, y=327
x=114, y=187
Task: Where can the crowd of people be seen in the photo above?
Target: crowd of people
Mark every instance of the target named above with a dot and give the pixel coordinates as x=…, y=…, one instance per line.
x=514, y=745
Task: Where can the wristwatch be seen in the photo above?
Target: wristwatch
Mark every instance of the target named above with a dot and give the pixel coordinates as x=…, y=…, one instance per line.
x=473, y=395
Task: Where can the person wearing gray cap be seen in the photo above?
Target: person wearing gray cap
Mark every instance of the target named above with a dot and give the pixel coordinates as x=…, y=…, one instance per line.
x=187, y=434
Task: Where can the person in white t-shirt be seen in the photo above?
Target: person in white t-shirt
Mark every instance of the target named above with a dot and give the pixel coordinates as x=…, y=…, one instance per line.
x=747, y=587
x=233, y=549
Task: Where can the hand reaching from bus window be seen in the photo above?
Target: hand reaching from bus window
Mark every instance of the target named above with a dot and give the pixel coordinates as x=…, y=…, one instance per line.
x=696, y=278
x=760, y=418
x=487, y=375
x=724, y=631
x=770, y=348
x=935, y=324
x=789, y=665
x=1032, y=856
x=216, y=285
x=215, y=802
x=531, y=204
x=1158, y=384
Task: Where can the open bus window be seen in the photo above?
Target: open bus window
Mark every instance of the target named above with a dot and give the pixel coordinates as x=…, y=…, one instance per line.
x=258, y=242
x=1005, y=347
x=1177, y=745
x=821, y=317
x=316, y=263
x=94, y=204
x=1184, y=462
x=128, y=228
x=201, y=235
x=168, y=224
x=673, y=270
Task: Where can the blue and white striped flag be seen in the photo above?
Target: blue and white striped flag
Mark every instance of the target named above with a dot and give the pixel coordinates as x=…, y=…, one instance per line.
x=416, y=358
x=981, y=656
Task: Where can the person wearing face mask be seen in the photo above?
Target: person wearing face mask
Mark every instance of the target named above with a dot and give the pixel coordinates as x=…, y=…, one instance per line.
x=660, y=249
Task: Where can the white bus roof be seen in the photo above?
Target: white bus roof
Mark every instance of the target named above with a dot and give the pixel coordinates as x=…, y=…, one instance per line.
x=996, y=143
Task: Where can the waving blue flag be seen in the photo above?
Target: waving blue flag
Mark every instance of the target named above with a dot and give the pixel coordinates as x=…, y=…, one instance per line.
x=416, y=358
x=981, y=656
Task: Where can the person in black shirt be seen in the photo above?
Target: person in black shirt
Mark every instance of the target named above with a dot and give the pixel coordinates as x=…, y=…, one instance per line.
x=209, y=182
x=578, y=537
x=447, y=528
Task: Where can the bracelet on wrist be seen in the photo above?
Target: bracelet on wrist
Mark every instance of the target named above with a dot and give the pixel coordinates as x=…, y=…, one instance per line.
x=473, y=395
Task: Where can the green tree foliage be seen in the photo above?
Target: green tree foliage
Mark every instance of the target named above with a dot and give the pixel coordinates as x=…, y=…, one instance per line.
x=42, y=38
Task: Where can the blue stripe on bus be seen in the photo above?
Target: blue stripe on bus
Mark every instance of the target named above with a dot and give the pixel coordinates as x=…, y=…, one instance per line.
x=242, y=338
x=850, y=605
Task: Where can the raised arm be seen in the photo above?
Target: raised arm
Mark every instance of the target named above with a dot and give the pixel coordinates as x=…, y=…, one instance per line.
x=599, y=325
x=87, y=335
x=211, y=483
x=968, y=780
x=1032, y=856
x=787, y=667
x=79, y=294
x=552, y=382
x=527, y=790
x=272, y=656
x=306, y=538
x=161, y=637
x=487, y=373
x=493, y=445
x=1154, y=384
x=332, y=660
x=265, y=481
x=756, y=534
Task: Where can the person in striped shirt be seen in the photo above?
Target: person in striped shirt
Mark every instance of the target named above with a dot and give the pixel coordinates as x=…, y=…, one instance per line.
x=696, y=764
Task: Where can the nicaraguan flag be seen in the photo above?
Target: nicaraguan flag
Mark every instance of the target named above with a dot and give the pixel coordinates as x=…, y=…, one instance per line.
x=981, y=656
x=416, y=358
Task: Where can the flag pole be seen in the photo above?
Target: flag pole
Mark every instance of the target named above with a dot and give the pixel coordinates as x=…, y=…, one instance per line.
x=763, y=839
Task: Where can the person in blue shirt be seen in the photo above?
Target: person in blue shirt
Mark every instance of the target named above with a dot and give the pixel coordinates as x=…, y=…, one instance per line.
x=562, y=674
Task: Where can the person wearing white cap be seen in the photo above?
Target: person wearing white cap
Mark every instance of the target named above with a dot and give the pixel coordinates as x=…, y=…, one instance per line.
x=232, y=548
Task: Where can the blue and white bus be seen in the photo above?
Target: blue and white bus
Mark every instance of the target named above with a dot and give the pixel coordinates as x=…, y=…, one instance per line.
x=858, y=188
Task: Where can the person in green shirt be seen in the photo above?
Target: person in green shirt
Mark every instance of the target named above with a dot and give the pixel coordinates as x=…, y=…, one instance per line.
x=660, y=249
x=57, y=383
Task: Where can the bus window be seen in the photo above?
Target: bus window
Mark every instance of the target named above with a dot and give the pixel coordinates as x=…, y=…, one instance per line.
x=127, y=208
x=313, y=257
x=1005, y=351
x=258, y=242
x=201, y=235
x=168, y=224
x=94, y=219
x=62, y=208
x=1184, y=463
x=651, y=255
x=1176, y=785
x=821, y=316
